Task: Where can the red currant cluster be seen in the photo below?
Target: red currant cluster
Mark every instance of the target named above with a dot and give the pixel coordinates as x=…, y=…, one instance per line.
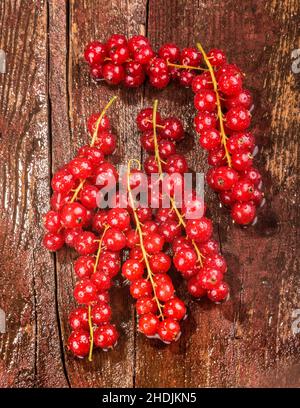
x=130, y=61
x=96, y=236
x=223, y=109
x=218, y=89
x=187, y=230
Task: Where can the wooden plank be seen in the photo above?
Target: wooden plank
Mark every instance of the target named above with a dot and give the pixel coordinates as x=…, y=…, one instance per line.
x=247, y=341
x=74, y=97
x=30, y=348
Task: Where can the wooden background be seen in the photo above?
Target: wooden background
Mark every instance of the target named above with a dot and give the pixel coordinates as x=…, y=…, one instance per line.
x=46, y=96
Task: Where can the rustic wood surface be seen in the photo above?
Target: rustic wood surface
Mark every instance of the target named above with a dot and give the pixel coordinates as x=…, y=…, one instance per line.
x=46, y=96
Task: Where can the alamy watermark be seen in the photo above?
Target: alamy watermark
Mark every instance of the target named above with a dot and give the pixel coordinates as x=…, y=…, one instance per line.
x=296, y=321
x=2, y=321
x=295, y=55
x=2, y=62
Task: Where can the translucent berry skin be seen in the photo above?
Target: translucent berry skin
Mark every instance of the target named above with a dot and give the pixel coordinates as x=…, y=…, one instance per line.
x=101, y=281
x=85, y=292
x=136, y=42
x=144, y=119
x=202, y=81
x=242, y=161
x=242, y=98
x=53, y=241
x=78, y=318
x=190, y=56
x=88, y=196
x=103, y=125
x=145, y=305
x=109, y=264
x=106, y=336
x=205, y=120
x=160, y=81
x=154, y=243
x=185, y=259
x=114, y=239
x=173, y=129
x=216, y=57
x=52, y=221
x=243, y=213
x=186, y=78
x=243, y=190
x=176, y=164
x=160, y=262
x=224, y=178
x=205, y=100
x=62, y=181
x=119, y=55
x=140, y=288
x=73, y=215
x=113, y=74
x=79, y=343
x=209, y=247
x=175, y=308
x=230, y=84
x=238, y=119
x=194, y=287
x=219, y=293
x=84, y=266
x=199, y=230
x=106, y=142
x=169, y=330
x=118, y=218
x=85, y=243
x=209, y=278
x=132, y=270
x=115, y=41
x=216, y=261
x=164, y=290
x=95, y=53
x=99, y=221
x=101, y=313
x=80, y=168
x=210, y=139
x=148, y=324
x=169, y=52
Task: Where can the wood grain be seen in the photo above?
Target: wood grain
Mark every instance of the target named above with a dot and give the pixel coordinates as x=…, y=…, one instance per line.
x=46, y=96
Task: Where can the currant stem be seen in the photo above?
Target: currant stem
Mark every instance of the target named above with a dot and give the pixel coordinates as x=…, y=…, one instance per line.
x=170, y=64
x=94, y=138
x=76, y=192
x=91, y=333
x=220, y=114
x=140, y=232
x=100, y=248
x=159, y=161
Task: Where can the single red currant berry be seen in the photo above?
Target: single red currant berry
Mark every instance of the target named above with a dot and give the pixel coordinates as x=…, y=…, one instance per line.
x=105, y=174
x=243, y=190
x=209, y=248
x=106, y=336
x=78, y=318
x=150, y=226
x=132, y=270
x=176, y=164
x=136, y=42
x=170, y=230
x=210, y=139
x=216, y=57
x=70, y=234
x=73, y=215
x=169, y=330
x=148, y=324
x=238, y=119
x=244, y=141
x=140, y=288
x=80, y=168
x=243, y=98
x=243, y=213
x=160, y=81
x=202, y=81
x=185, y=259
x=114, y=239
x=115, y=41
x=166, y=148
x=85, y=292
x=190, y=56
x=144, y=119
x=134, y=69
x=79, y=343
x=101, y=313
x=84, y=266
x=52, y=221
x=180, y=243
x=186, y=78
x=101, y=280
x=153, y=243
x=85, y=243
x=164, y=214
x=137, y=254
x=99, y=221
x=160, y=262
x=169, y=52
x=164, y=290
x=230, y=84
x=242, y=160
x=106, y=142
x=93, y=154
x=205, y=100
x=119, y=55
x=118, y=218
x=215, y=261
x=205, y=120
x=88, y=196
x=58, y=200
x=53, y=241
x=199, y=230
x=257, y=197
x=113, y=74
x=209, y=278
x=226, y=198
x=62, y=181
x=224, y=178
x=109, y=264
x=228, y=69
x=173, y=129
x=143, y=54
x=147, y=141
x=190, y=273
x=145, y=305
x=175, y=308
x=219, y=293
x=95, y=53
x=194, y=287
x=103, y=297
x=104, y=124
x=253, y=175
x=216, y=157
x=96, y=71
x=132, y=238
x=157, y=67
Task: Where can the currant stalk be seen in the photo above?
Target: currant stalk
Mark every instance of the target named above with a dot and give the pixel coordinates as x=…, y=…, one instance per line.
x=140, y=232
x=218, y=98
x=159, y=164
